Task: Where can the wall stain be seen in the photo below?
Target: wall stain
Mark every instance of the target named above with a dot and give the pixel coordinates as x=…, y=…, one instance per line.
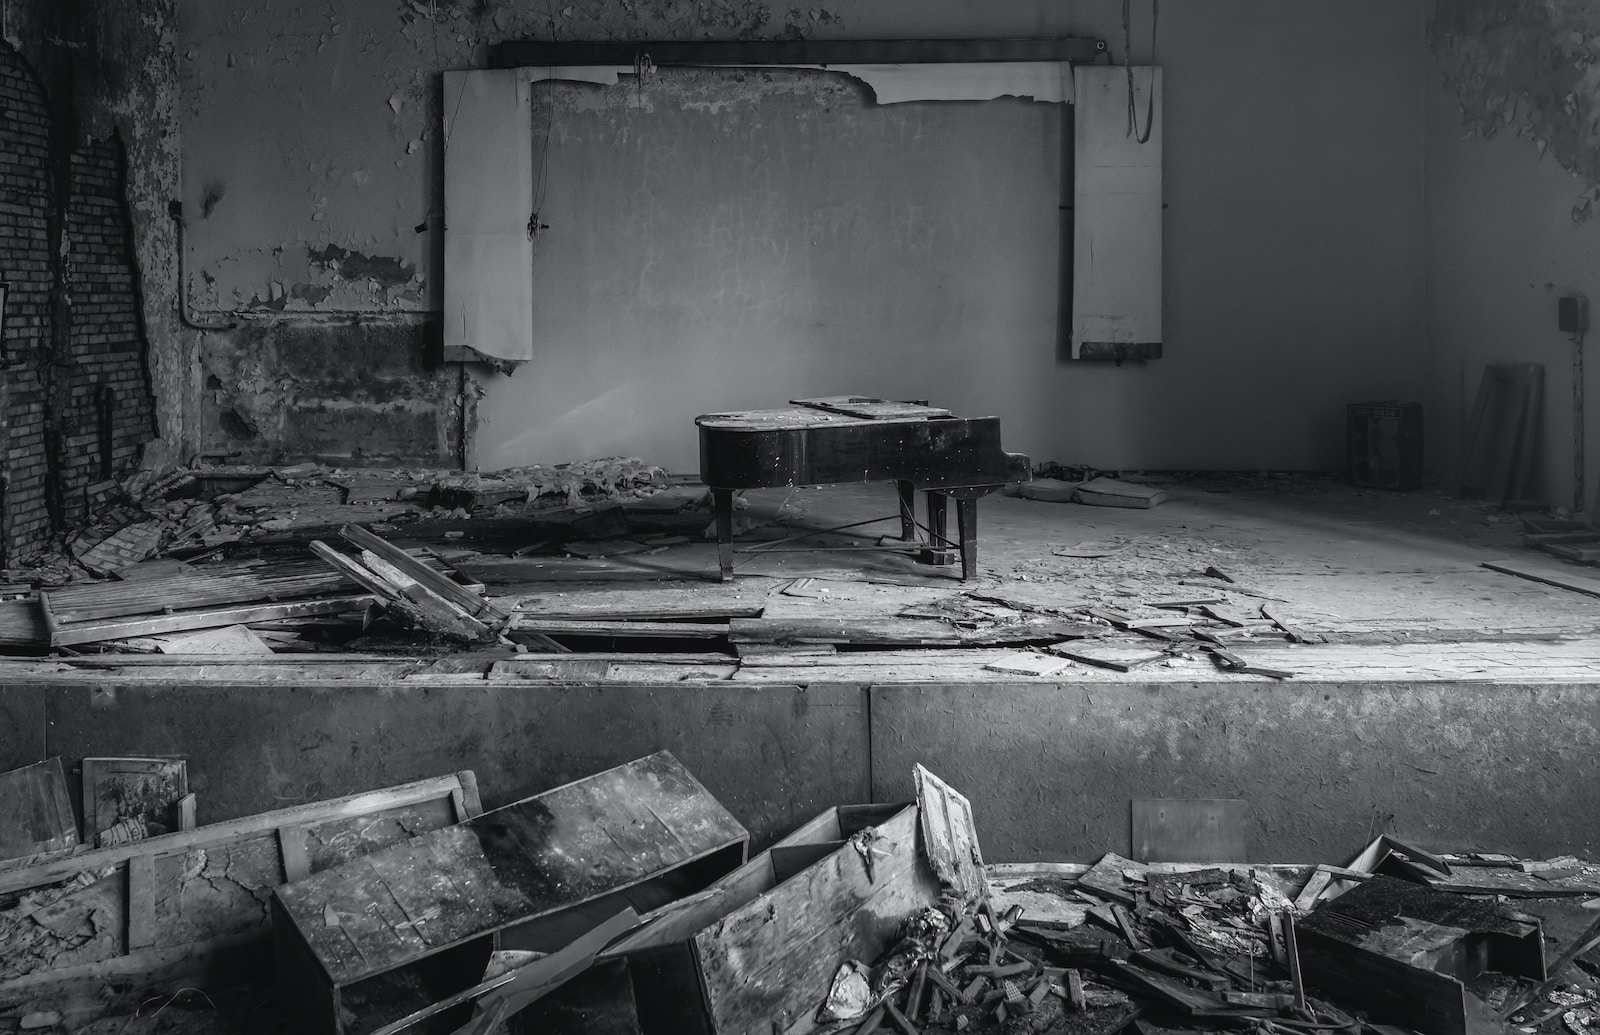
x=1531, y=68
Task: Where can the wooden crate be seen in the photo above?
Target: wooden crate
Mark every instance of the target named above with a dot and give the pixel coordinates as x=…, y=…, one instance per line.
x=756, y=952
x=364, y=945
x=174, y=909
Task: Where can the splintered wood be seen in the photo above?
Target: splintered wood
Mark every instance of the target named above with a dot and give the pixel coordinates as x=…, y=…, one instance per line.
x=417, y=594
x=949, y=835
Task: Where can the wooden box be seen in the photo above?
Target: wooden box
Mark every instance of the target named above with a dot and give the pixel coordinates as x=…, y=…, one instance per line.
x=756, y=951
x=175, y=910
x=367, y=944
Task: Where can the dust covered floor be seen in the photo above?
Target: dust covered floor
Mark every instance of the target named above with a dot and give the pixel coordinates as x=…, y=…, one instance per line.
x=1230, y=578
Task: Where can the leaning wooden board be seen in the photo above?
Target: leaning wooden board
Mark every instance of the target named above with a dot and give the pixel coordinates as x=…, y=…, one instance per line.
x=35, y=812
x=353, y=941
x=662, y=960
x=150, y=909
x=767, y=965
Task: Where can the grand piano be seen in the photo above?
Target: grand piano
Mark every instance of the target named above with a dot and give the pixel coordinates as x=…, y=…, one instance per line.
x=857, y=439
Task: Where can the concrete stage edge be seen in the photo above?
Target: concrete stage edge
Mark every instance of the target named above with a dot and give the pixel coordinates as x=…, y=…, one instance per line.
x=1049, y=767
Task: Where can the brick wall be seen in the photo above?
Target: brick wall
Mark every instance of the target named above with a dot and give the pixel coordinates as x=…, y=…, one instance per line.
x=101, y=435
x=25, y=205
x=56, y=434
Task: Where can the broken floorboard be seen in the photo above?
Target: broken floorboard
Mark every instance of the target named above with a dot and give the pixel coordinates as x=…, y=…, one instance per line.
x=685, y=601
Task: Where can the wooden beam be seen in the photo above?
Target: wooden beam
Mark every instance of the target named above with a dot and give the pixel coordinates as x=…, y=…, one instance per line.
x=215, y=834
x=545, y=54
x=117, y=629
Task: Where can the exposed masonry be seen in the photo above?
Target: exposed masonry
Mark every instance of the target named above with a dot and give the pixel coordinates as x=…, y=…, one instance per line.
x=75, y=402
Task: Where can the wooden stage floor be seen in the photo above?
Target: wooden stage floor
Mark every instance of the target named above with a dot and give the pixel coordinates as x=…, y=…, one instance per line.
x=1328, y=583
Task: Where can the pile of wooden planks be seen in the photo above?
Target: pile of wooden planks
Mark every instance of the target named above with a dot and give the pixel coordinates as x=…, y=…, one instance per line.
x=416, y=593
x=166, y=596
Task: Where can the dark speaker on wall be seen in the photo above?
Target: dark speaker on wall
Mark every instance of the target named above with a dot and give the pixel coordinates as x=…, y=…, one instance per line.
x=1385, y=445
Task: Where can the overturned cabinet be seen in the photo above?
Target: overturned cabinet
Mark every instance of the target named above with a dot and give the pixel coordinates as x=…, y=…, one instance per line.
x=364, y=945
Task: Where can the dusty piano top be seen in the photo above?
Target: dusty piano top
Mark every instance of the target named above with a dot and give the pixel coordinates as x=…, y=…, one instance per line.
x=828, y=411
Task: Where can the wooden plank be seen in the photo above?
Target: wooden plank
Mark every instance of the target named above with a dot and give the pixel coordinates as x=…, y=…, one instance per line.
x=635, y=604
x=949, y=835
x=141, y=874
x=216, y=835
x=292, y=847
x=1189, y=829
x=1560, y=576
x=35, y=811
x=894, y=631
x=117, y=629
x=1107, y=655
x=510, y=993
x=436, y=583
x=182, y=661
x=652, y=630
x=398, y=592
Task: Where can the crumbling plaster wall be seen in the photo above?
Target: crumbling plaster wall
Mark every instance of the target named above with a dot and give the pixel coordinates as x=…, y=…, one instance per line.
x=1513, y=194
x=311, y=159
x=312, y=203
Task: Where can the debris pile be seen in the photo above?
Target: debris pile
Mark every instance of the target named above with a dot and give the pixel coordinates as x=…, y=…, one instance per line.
x=866, y=918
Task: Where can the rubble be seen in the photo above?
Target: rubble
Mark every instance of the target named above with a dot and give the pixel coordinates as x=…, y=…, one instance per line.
x=872, y=918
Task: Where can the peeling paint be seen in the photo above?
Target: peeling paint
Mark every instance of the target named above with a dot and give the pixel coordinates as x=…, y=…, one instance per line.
x=1532, y=68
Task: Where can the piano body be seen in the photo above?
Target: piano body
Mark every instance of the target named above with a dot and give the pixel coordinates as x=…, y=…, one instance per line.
x=857, y=439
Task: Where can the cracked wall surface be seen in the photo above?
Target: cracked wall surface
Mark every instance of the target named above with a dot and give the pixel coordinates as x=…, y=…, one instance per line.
x=312, y=207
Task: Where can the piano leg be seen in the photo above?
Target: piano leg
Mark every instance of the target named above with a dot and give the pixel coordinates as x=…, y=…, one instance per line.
x=722, y=500
x=967, y=529
x=937, y=551
x=908, y=510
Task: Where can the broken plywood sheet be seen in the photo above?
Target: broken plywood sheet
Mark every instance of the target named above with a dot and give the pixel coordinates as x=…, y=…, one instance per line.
x=230, y=640
x=949, y=835
x=35, y=811
x=1027, y=663
x=159, y=905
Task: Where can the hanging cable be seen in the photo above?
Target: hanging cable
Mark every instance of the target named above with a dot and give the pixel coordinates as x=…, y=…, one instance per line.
x=1127, y=62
